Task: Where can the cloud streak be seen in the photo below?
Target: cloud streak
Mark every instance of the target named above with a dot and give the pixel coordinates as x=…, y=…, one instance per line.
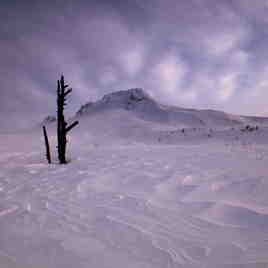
x=201, y=54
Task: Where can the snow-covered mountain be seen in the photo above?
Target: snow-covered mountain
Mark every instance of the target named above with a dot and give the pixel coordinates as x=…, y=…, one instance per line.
x=140, y=105
x=132, y=115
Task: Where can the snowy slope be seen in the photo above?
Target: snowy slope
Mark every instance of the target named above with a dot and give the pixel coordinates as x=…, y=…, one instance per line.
x=132, y=115
x=138, y=103
x=141, y=105
x=138, y=192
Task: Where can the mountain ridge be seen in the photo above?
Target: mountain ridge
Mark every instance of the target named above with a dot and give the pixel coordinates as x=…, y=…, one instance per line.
x=140, y=104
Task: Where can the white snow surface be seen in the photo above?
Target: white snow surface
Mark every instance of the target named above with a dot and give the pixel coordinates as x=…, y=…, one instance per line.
x=138, y=191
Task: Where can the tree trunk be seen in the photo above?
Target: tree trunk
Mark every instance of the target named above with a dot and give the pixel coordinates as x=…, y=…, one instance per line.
x=62, y=127
x=47, y=145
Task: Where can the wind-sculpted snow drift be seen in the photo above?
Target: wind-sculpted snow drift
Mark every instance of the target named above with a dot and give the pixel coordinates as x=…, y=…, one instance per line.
x=147, y=186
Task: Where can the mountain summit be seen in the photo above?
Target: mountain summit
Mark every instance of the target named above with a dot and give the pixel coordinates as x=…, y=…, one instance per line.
x=141, y=105
x=136, y=103
x=123, y=99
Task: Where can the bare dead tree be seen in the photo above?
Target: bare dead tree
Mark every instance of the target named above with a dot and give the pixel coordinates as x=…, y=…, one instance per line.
x=47, y=145
x=62, y=128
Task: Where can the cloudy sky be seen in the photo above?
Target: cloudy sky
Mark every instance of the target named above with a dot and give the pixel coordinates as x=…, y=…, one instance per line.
x=191, y=53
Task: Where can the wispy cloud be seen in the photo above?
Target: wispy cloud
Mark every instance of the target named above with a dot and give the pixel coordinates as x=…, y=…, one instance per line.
x=203, y=54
